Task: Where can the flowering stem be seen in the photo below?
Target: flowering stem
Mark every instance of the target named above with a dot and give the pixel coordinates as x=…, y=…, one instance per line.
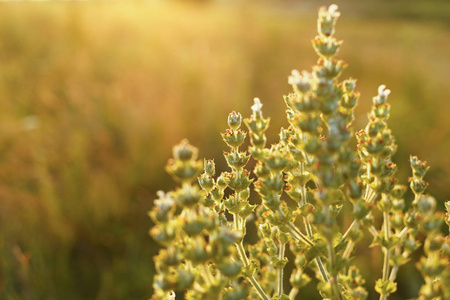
x=280, y=270
x=387, y=230
x=336, y=294
x=245, y=260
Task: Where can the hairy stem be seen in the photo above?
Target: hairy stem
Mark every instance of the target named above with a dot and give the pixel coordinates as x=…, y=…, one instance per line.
x=387, y=233
x=245, y=260
x=281, y=270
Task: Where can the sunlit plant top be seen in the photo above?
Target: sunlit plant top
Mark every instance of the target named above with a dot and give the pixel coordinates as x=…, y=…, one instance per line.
x=318, y=197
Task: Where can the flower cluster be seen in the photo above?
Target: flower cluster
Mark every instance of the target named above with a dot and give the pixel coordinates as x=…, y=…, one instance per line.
x=310, y=184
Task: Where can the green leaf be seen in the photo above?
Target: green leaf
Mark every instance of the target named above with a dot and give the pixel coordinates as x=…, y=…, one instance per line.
x=318, y=249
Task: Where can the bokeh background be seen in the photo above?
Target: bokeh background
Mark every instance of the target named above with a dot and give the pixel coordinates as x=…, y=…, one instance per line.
x=94, y=94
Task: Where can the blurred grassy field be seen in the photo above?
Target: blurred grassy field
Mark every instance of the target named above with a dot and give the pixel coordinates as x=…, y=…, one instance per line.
x=94, y=95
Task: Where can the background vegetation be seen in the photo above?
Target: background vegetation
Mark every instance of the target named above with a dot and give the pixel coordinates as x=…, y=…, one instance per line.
x=94, y=95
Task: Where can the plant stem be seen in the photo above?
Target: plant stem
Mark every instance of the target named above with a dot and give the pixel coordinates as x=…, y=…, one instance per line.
x=298, y=235
x=336, y=293
x=251, y=278
x=244, y=258
x=310, y=234
x=293, y=293
x=281, y=270
x=387, y=231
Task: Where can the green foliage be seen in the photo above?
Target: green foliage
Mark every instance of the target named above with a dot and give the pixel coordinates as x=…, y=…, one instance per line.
x=312, y=164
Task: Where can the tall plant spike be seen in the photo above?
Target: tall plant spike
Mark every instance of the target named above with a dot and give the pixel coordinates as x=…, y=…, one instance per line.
x=296, y=195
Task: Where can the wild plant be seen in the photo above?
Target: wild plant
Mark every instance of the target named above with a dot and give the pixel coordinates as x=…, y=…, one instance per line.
x=319, y=198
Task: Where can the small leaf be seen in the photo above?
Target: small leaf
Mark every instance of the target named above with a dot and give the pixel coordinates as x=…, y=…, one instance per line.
x=318, y=249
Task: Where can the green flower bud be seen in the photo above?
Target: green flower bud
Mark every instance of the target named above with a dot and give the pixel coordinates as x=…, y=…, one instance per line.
x=411, y=219
x=169, y=257
x=312, y=145
x=389, y=169
x=208, y=200
x=276, y=161
x=298, y=179
x=237, y=293
x=306, y=122
x=398, y=192
x=184, y=151
x=238, y=181
x=385, y=287
x=380, y=111
x=197, y=252
x=187, y=196
x=236, y=160
x=418, y=186
x=210, y=167
x=327, y=20
x=411, y=245
x=206, y=182
x=217, y=194
x=300, y=82
x=164, y=208
x=426, y=204
x=232, y=204
x=185, y=279
x=432, y=266
x=384, y=204
x=278, y=263
x=250, y=269
x=418, y=167
x=234, y=138
x=429, y=292
x=360, y=209
x=258, y=140
x=246, y=210
x=397, y=221
x=349, y=85
x=258, y=153
x=329, y=105
x=383, y=93
x=356, y=189
x=164, y=282
x=194, y=227
x=434, y=244
x=300, y=260
x=326, y=46
x=183, y=171
x=274, y=183
x=230, y=268
x=433, y=224
x=234, y=120
x=272, y=201
x=163, y=235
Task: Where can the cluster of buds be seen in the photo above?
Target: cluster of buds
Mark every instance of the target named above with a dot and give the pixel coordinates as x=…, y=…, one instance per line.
x=199, y=253
x=434, y=265
x=304, y=181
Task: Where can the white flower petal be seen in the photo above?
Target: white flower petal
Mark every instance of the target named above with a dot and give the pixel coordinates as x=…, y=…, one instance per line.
x=257, y=105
